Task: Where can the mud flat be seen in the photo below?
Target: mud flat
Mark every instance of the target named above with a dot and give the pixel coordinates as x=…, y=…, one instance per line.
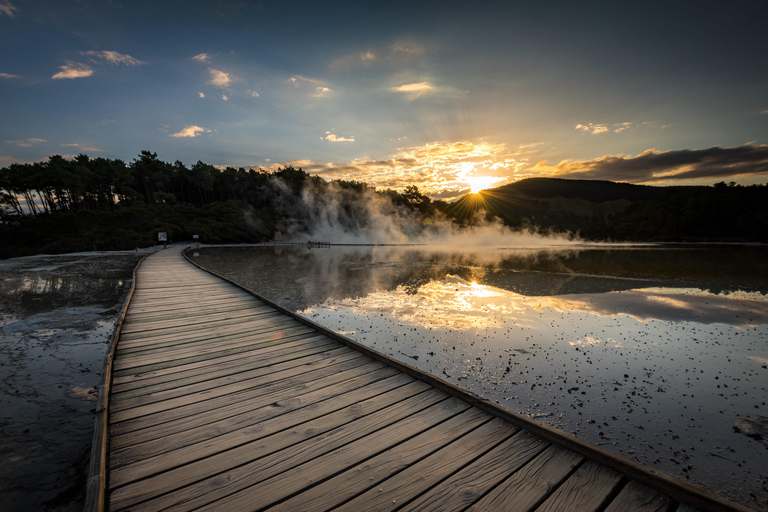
x=57, y=314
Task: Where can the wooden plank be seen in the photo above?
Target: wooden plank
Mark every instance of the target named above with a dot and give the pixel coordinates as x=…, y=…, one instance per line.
x=213, y=376
x=260, y=326
x=339, y=489
x=587, y=490
x=236, y=391
x=142, y=330
x=245, y=362
x=209, y=308
x=251, y=359
x=401, y=487
x=281, y=452
x=192, y=359
x=207, y=333
x=529, y=486
x=272, y=334
x=271, y=418
x=282, y=483
x=639, y=498
x=467, y=486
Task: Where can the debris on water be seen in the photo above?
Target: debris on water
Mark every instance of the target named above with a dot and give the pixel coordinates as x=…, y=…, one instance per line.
x=755, y=427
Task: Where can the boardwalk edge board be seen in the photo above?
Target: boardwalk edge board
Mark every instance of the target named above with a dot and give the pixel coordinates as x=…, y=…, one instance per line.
x=671, y=486
x=95, y=494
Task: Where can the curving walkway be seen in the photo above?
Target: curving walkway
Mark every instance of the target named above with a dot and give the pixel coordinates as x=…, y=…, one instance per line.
x=222, y=401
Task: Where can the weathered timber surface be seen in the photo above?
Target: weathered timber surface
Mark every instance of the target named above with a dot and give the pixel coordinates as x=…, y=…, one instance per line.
x=221, y=400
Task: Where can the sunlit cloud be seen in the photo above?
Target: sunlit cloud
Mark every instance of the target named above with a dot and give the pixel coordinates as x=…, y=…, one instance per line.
x=414, y=90
x=83, y=147
x=653, y=166
x=7, y=8
x=322, y=91
x=112, y=57
x=200, y=95
x=225, y=97
x=8, y=75
x=444, y=170
x=253, y=94
x=764, y=112
x=592, y=128
x=392, y=55
x=73, y=70
x=335, y=138
x=25, y=143
x=202, y=57
x=595, y=129
x=219, y=78
x=190, y=131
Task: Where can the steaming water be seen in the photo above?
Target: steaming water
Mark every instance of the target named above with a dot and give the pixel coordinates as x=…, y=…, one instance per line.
x=650, y=352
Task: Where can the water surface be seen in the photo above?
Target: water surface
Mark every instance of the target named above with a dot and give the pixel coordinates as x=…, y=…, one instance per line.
x=651, y=352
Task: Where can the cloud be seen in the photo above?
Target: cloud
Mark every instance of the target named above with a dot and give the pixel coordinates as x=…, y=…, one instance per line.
x=201, y=95
x=417, y=89
x=25, y=143
x=595, y=129
x=225, y=97
x=7, y=8
x=334, y=138
x=420, y=87
x=653, y=166
x=82, y=147
x=219, y=78
x=764, y=111
x=112, y=57
x=190, y=131
x=322, y=91
x=253, y=94
x=440, y=169
x=73, y=70
x=8, y=75
x=202, y=57
x=392, y=55
x=297, y=80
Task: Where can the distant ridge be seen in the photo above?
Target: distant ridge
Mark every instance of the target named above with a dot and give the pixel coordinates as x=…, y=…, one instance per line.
x=595, y=191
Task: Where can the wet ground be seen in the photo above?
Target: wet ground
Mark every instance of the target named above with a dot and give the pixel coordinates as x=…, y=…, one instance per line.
x=57, y=315
x=653, y=353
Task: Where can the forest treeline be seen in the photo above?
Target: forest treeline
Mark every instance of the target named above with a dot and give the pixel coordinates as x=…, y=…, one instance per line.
x=61, y=205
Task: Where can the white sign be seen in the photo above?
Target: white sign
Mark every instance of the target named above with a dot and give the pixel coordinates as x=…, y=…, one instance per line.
x=195, y=237
x=162, y=236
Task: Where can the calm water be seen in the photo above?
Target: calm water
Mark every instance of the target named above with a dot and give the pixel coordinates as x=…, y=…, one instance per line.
x=651, y=352
x=57, y=314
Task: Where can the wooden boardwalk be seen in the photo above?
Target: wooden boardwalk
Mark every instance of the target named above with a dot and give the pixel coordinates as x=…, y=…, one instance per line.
x=220, y=401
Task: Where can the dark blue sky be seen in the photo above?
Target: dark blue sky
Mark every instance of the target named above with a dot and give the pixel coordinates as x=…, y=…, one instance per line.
x=432, y=93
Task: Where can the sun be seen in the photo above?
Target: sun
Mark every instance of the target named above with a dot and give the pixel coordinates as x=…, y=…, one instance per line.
x=478, y=183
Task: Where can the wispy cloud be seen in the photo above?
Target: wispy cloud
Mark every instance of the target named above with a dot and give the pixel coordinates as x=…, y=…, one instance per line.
x=253, y=94
x=202, y=57
x=335, y=138
x=219, y=78
x=764, y=111
x=8, y=75
x=318, y=88
x=596, y=129
x=392, y=55
x=321, y=92
x=7, y=8
x=653, y=166
x=414, y=90
x=296, y=80
x=190, y=131
x=83, y=147
x=112, y=57
x=25, y=143
x=73, y=70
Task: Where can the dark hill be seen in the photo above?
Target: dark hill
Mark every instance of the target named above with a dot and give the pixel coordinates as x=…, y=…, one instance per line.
x=592, y=190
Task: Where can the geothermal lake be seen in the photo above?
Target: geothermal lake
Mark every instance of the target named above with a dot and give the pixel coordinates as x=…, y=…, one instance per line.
x=652, y=352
